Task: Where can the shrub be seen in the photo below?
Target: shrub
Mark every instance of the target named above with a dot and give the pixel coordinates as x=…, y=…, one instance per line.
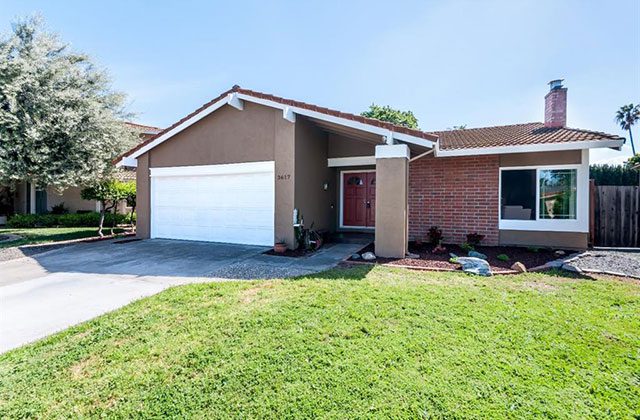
x=91, y=219
x=467, y=247
x=613, y=175
x=59, y=209
x=435, y=235
x=474, y=238
x=533, y=249
x=503, y=257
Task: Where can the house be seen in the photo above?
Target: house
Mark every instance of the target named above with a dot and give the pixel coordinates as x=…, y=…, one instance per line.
x=28, y=199
x=235, y=169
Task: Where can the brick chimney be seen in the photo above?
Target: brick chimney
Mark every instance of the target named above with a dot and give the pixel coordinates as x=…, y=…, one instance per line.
x=555, y=105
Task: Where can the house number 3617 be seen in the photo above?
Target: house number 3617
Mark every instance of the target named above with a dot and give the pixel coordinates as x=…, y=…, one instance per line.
x=284, y=177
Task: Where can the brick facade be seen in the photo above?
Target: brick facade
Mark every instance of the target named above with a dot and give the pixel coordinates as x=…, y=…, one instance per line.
x=458, y=194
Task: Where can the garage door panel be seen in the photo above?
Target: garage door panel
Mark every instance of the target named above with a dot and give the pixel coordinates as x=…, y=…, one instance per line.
x=228, y=207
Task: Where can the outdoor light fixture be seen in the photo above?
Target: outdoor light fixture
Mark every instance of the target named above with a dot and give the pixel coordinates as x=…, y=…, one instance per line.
x=325, y=186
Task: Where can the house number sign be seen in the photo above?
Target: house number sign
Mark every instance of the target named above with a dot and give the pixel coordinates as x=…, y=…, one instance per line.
x=284, y=177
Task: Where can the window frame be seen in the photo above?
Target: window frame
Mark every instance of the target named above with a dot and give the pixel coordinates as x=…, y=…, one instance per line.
x=579, y=224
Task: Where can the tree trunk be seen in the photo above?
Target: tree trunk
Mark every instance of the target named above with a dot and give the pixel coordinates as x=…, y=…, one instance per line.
x=102, y=211
x=133, y=210
x=633, y=147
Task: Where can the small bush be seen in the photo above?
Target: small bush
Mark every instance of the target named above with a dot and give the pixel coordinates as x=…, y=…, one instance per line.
x=474, y=238
x=59, y=209
x=533, y=249
x=503, y=257
x=467, y=247
x=435, y=235
x=91, y=219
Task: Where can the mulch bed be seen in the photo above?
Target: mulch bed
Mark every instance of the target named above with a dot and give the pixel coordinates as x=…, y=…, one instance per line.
x=440, y=261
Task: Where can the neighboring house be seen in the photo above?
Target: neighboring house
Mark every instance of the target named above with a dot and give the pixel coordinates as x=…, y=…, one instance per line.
x=235, y=169
x=28, y=199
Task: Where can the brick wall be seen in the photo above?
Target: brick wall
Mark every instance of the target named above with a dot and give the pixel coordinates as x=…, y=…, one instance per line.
x=457, y=194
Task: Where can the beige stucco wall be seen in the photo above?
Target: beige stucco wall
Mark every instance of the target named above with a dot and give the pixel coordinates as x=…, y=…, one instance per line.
x=392, y=188
x=563, y=157
x=227, y=135
x=342, y=146
x=571, y=240
x=71, y=199
x=313, y=202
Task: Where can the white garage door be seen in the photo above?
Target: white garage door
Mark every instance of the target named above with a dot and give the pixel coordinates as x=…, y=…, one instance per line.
x=232, y=203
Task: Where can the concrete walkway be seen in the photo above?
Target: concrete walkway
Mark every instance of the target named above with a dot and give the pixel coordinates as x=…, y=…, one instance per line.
x=48, y=292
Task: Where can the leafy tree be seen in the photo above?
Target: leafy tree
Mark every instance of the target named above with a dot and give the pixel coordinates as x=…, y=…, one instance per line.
x=60, y=122
x=633, y=160
x=626, y=117
x=458, y=127
x=129, y=190
x=108, y=194
x=395, y=116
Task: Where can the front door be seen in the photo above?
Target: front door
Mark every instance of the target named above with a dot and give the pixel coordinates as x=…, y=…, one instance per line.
x=359, y=199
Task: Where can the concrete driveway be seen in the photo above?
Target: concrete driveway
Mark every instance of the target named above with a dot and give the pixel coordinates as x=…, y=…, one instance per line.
x=49, y=292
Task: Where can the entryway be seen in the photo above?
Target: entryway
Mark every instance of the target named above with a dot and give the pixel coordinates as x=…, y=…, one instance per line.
x=358, y=199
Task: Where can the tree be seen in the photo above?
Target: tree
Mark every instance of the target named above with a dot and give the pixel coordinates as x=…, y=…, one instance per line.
x=60, y=122
x=626, y=117
x=458, y=127
x=108, y=194
x=395, y=116
x=129, y=190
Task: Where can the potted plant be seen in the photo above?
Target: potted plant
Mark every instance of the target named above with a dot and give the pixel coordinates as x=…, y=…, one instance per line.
x=280, y=247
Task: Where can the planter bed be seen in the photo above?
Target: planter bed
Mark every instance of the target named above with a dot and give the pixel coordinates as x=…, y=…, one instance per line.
x=440, y=262
x=296, y=253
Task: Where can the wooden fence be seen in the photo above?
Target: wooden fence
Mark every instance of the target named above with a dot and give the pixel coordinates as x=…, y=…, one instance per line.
x=615, y=215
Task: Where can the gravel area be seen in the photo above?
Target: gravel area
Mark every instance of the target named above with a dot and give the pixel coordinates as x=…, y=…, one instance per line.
x=609, y=262
x=251, y=270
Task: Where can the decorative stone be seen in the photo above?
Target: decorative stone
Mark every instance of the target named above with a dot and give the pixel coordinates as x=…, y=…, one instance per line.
x=355, y=256
x=519, y=267
x=368, y=256
x=413, y=256
x=572, y=268
x=476, y=254
x=559, y=253
x=473, y=265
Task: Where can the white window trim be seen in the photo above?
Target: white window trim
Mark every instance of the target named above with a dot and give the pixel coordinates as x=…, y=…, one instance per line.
x=342, y=225
x=579, y=224
x=351, y=161
x=221, y=169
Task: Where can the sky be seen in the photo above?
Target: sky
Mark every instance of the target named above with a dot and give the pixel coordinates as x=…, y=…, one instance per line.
x=479, y=63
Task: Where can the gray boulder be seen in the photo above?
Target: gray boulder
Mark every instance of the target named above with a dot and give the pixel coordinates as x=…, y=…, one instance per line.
x=476, y=254
x=473, y=265
x=355, y=256
x=368, y=256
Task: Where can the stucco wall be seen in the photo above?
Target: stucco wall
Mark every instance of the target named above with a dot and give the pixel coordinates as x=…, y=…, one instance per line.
x=71, y=199
x=227, y=135
x=391, y=207
x=342, y=146
x=143, y=195
x=571, y=240
x=312, y=172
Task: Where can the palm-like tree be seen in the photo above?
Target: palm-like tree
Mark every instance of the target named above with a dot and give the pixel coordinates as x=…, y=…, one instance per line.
x=626, y=117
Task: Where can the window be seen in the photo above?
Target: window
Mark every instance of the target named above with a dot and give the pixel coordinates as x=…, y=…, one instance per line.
x=554, y=190
x=518, y=195
x=355, y=180
x=558, y=194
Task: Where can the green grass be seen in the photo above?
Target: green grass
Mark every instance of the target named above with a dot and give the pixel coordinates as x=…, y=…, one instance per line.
x=45, y=235
x=348, y=343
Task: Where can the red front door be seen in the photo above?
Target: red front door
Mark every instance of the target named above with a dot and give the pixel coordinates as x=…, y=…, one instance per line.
x=359, y=199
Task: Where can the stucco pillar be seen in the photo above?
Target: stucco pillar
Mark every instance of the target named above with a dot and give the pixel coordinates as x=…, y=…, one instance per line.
x=285, y=180
x=143, y=197
x=392, y=186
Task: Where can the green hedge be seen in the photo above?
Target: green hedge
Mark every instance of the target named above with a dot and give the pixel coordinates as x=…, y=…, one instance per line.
x=91, y=219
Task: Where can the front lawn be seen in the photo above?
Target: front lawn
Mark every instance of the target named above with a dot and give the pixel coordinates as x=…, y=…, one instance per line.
x=349, y=343
x=45, y=235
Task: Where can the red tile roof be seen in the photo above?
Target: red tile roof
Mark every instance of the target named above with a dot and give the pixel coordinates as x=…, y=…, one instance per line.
x=508, y=135
x=515, y=135
x=146, y=128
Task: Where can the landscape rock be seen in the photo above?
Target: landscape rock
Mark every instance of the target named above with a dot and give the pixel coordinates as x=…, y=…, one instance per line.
x=355, y=256
x=413, y=256
x=559, y=252
x=473, y=265
x=571, y=268
x=519, y=267
x=368, y=256
x=476, y=254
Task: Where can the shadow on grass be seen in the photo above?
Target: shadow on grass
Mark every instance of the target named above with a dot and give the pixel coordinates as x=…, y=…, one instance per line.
x=341, y=272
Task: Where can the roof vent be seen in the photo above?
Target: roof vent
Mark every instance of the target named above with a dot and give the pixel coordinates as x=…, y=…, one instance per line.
x=555, y=84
